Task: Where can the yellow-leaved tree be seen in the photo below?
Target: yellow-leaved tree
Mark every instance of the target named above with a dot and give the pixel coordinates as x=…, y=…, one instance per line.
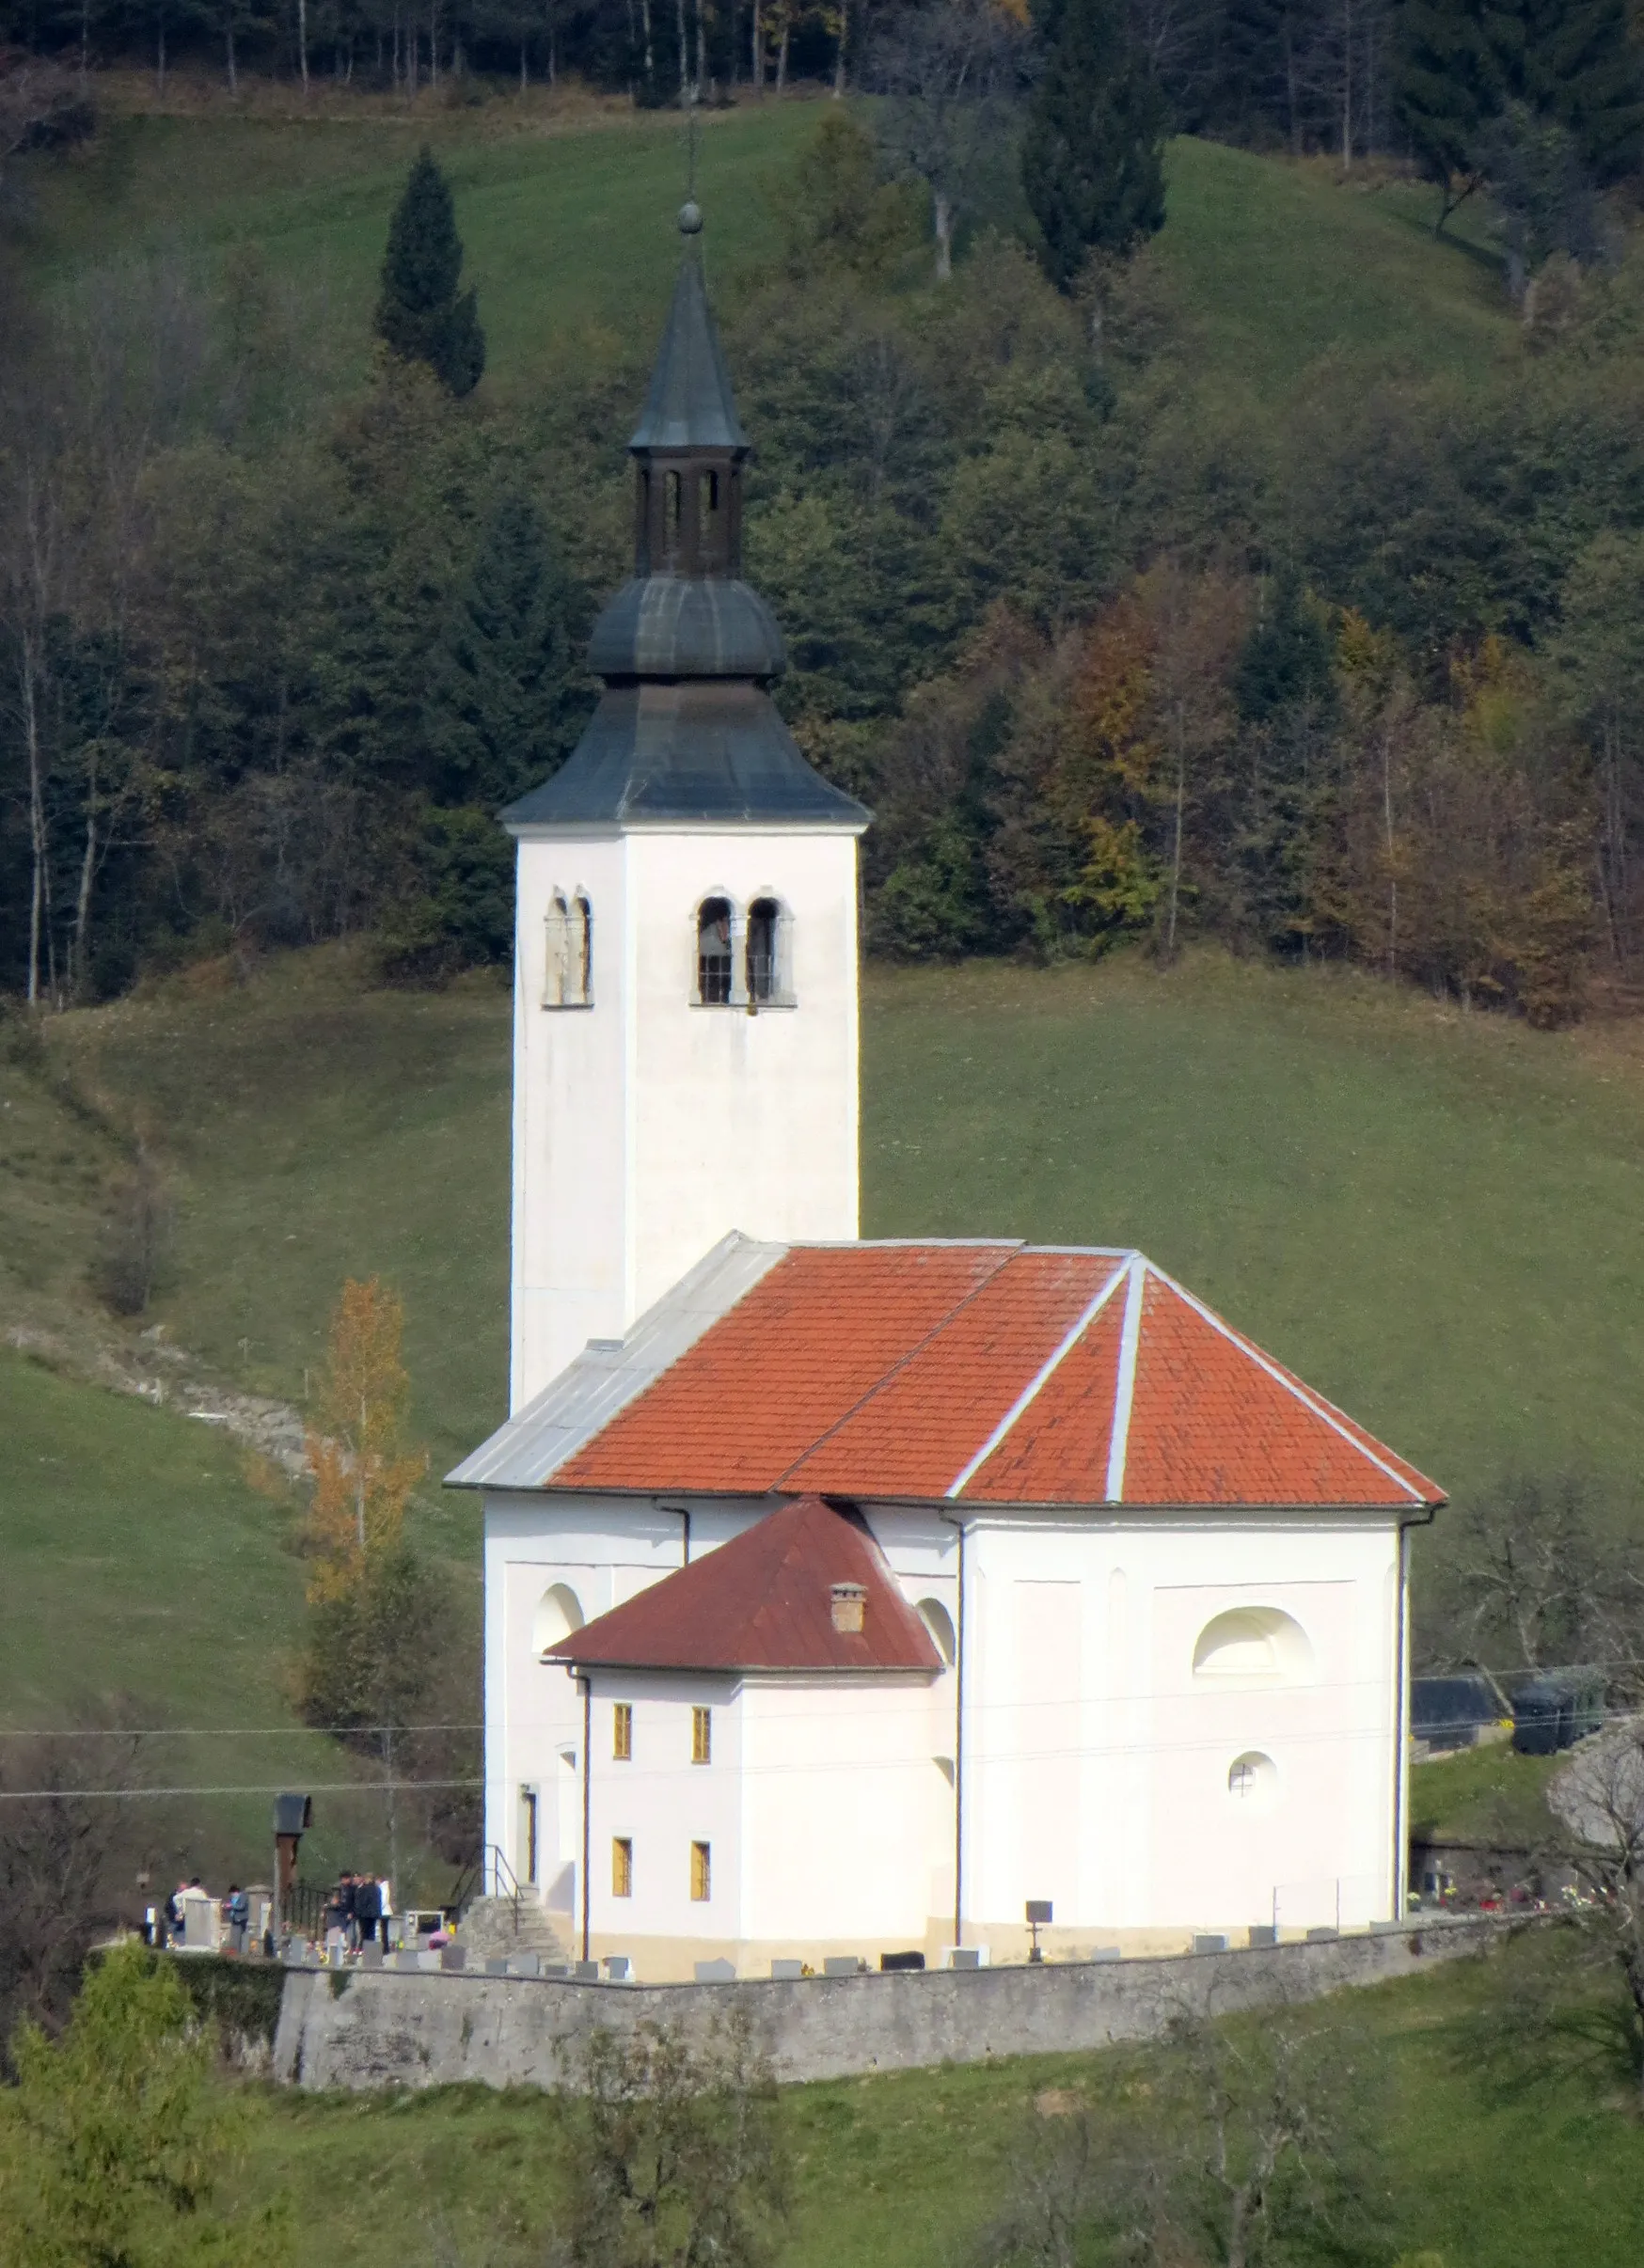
x=363, y=1471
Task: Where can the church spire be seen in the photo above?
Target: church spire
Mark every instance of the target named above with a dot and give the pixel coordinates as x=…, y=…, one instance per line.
x=688, y=447
x=687, y=730
x=690, y=404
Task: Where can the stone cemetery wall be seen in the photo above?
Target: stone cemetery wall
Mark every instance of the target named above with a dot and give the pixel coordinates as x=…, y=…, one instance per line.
x=381, y=2027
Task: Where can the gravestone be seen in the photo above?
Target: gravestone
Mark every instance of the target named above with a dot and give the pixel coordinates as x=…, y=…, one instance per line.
x=618, y=1967
x=1208, y=1941
x=964, y=1957
x=497, y=1965
x=836, y=1964
x=585, y=1972
x=370, y=1957
x=716, y=1972
x=1318, y=1936
x=453, y=1956
x=1107, y=1953
x=199, y=1921
x=787, y=1971
x=1262, y=1934
x=525, y=1964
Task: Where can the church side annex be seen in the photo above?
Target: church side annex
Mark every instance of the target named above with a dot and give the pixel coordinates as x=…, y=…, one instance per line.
x=844, y=1597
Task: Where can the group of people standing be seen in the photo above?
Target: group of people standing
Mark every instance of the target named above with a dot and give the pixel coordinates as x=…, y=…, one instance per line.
x=359, y=1906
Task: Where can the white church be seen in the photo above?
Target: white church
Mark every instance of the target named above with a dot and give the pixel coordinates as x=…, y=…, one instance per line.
x=846, y=1599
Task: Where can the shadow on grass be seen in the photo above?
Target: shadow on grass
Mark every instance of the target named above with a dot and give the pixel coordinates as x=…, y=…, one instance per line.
x=1558, y=2016
x=1481, y=256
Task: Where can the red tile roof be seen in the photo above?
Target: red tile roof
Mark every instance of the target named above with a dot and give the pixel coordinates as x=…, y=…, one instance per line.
x=987, y=1373
x=765, y=1601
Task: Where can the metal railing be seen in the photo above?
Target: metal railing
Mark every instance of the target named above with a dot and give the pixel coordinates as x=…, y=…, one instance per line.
x=488, y=1874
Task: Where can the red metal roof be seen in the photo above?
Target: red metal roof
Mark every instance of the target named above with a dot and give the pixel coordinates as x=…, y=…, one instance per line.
x=765, y=1601
x=987, y=1373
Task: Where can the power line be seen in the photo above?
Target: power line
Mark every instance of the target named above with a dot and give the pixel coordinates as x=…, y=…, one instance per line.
x=137, y=1795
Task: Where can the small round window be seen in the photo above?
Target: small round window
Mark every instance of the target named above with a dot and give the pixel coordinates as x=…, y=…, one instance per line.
x=1253, y=1781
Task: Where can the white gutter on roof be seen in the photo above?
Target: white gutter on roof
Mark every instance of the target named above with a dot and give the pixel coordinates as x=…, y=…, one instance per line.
x=604, y=1378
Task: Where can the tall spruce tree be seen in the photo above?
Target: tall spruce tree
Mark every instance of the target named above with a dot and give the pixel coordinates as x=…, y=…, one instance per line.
x=504, y=698
x=421, y=316
x=1092, y=155
x=1574, y=61
x=1447, y=91
x=1465, y=65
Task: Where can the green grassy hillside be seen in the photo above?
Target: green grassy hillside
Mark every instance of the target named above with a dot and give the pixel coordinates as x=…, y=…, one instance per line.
x=567, y=218
x=148, y=1582
x=1437, y=1220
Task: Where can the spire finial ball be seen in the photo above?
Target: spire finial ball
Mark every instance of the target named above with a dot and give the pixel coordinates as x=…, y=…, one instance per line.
x=690, y=218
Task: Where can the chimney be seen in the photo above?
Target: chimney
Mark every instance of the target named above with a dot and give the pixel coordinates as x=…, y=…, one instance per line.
x=850, y=1602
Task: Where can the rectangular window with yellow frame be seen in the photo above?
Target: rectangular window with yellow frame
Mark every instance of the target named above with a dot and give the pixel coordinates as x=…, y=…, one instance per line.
x=621, y=1866
x=622, y=1731
x=702, y=1872
x=702, y=1736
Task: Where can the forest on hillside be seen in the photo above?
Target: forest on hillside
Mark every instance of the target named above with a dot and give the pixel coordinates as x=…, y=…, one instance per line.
x=1114, y=647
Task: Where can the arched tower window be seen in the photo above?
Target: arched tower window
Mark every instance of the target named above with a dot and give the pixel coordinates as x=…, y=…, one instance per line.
x=580, y=957
x=769, y=972
x=568, y=970
x=763, y=916
x=557, y=941
x=715, y=960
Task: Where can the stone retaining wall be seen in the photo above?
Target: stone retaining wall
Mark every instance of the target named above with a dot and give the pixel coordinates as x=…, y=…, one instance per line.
x=379, y=2028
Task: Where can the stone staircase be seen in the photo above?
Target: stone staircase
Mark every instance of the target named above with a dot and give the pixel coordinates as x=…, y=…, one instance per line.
x=488, y=1929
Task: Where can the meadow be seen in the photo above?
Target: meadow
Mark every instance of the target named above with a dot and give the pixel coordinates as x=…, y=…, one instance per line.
x=567, y=213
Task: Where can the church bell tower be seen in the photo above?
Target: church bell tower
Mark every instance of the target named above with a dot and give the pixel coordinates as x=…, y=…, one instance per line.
x=685, y=1006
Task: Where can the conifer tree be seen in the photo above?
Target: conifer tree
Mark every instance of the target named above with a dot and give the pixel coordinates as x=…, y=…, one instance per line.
x=503, y=702
x=1446, y=92
x=421, y=316
x=1465, y=65
x=1092, y=155
x=1574, y=61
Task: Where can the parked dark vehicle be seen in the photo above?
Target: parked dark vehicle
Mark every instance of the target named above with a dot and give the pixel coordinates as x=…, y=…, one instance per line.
x=1555, y=1709
x=1451, y=1712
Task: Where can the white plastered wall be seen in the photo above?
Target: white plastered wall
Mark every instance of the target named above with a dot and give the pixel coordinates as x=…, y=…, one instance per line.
x=645, y=1127
x=1094, y=1763
x=844, y=1810
x=601, y=1551
x=1098, y=1761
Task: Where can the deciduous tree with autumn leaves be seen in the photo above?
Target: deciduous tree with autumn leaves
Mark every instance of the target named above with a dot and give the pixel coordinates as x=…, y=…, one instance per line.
x=363, y=1470
x=384, y=1662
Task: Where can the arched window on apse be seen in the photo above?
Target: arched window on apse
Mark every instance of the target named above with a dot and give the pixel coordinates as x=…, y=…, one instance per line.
x=713, y=952
x=939, y=1623
x=1250, y=1647
x=558, y=1613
